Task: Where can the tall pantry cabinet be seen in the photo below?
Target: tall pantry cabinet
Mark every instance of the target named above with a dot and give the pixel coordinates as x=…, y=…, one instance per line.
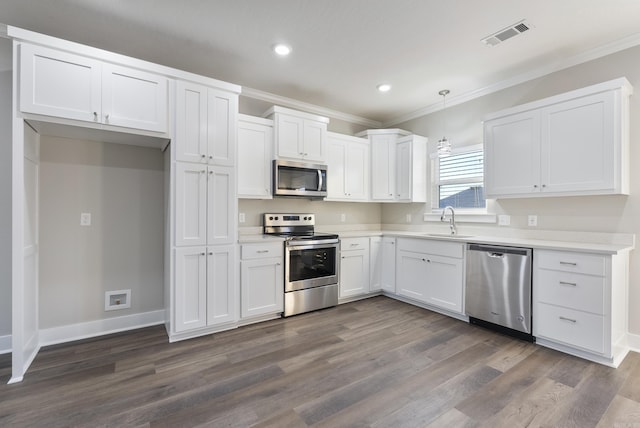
x=202, y=291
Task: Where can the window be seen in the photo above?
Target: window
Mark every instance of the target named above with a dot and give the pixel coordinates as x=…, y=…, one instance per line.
x=458, y=179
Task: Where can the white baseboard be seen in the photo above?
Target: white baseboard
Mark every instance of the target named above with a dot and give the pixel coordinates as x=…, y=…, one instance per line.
x=85, y=330
x=5, y=344
x=633, y=341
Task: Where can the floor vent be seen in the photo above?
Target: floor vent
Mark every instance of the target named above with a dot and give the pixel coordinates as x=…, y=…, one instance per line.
x=507, y=33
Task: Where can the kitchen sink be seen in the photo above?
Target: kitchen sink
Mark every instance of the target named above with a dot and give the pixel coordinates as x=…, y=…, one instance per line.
x=448, y=235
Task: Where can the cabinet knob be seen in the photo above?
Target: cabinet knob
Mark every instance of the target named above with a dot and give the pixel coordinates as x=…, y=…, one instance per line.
x=278, y=264
x=544, y=185
x=202, y=254
x=535, y=186
x=210, y=157
x=211, y=253
x=203, y=156
x=106, y=117
x=95, y=115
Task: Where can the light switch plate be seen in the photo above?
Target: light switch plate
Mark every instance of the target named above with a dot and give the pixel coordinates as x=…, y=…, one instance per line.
x=408, y=218
x=241, y=218
x=504, y=220
x=532, y=220
x=343, y=217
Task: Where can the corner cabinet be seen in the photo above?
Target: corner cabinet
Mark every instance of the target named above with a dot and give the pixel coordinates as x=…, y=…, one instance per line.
x=255, y=151
x=431, y=272
x=68, y=86
x=383, y=264
x=571, y=144
x=398, y=166
x=580, y=303
x=348, y=163
x=203, y=292
x=298, y=135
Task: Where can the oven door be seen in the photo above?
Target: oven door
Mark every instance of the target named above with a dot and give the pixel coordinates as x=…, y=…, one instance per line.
x=311, y=265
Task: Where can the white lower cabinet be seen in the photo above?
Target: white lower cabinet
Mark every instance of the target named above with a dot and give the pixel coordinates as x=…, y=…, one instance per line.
x=383, y=264
x=431, y=272
x=261, y=279
x=354, y=267
x=204, y=287
x=580, y=303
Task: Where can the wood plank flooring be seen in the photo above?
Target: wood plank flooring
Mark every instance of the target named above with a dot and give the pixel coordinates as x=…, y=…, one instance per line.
x=372, y=363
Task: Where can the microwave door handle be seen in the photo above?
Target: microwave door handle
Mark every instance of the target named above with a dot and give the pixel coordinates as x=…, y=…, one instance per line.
x=319, y=180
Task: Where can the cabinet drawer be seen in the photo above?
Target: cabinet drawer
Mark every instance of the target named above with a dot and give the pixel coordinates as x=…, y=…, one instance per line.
x=571, y=290
x=426, y=246
x=568, y=326
x=262, y=251
x=351, y=244
x=590, y=264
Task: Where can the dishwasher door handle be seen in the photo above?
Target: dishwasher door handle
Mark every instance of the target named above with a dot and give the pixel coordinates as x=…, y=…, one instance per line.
x=496, y=255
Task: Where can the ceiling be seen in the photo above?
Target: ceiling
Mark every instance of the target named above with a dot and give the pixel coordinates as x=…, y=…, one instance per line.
x=342, y=49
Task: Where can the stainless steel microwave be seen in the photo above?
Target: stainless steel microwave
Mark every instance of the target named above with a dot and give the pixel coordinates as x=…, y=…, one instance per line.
x=301, y=179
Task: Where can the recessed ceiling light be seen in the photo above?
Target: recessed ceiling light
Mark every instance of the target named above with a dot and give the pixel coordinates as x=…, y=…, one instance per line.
x=282, y=49
x=384, y=87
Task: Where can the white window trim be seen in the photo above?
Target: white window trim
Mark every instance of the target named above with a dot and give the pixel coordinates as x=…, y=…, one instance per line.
x=463, y=215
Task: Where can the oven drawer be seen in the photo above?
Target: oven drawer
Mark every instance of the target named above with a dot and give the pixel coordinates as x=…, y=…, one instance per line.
x=261, y=251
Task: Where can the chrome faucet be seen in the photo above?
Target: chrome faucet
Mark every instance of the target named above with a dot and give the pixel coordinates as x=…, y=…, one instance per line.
x=452, y=220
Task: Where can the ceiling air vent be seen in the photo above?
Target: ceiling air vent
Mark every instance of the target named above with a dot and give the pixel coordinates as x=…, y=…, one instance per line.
x=506, y=33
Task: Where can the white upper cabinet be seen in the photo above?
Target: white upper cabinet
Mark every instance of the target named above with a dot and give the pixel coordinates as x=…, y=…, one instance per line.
x=348, y=168
x=255, y=151
x=298, y=135
x=398, y=166
x=206, y=121
x=68, y=86
x=571, y=144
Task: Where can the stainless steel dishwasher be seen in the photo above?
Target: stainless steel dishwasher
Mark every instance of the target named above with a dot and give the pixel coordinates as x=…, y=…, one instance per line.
x=498, y=288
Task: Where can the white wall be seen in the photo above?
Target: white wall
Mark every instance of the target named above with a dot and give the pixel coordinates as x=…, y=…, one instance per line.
x=612, y=214
x=5, y=197
x=122, y=187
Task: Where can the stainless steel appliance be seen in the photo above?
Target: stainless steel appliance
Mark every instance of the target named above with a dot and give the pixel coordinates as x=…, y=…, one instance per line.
x=299, y=179
x=498, y=288
x=311, y=262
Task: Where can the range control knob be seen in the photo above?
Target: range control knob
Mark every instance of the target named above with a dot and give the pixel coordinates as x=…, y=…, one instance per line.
x=271, y=218
x=310, y=218
x=276, y=217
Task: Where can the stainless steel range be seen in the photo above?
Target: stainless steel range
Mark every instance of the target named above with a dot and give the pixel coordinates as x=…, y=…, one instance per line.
x=311, y=262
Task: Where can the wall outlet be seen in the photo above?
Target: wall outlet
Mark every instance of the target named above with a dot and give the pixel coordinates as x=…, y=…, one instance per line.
x=504, y=220
x=343, y=217
x=408, y=218
x=241, y=218
x=85, y=219
x=119, y=299
x=532, y=220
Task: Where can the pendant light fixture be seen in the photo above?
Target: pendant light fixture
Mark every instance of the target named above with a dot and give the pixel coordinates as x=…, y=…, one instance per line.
x=444, y=145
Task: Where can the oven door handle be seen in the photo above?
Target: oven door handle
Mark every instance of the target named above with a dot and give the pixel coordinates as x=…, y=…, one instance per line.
x=319, y=180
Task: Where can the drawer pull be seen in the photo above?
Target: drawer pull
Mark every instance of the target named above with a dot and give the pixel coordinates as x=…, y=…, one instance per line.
x=354, y=245
x=572, y=284
x=568, y=319
x=569, y=263
x=262, y=251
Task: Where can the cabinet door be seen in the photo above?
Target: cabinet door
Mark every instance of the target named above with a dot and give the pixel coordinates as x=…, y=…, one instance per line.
x=191, y=122
x=412, y=275
x=190, y=290
x=54, y=83
x=512, y=155
x=191, y=204
x=357, y=171
x=255, y=145
x=388, y=264
x=444, y=282
x=221, y=298
x=383, y=169
x=314, y=140
x=336, y=158
x=222, y=124
x=289, y=134
x=262, y=286
x=354, y=273
x=134, y=99
x=403, y=171
x=375, y=263
x=578, y=151
x=221, y=203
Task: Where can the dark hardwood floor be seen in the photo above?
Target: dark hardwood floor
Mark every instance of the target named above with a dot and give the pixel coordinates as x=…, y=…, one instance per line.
x=373, y=363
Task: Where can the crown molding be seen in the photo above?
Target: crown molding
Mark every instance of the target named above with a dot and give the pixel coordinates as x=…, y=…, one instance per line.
x=308, y=107
x=590, y=55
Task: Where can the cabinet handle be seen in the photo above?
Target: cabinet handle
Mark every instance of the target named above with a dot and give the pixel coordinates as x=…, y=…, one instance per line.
x=210, y=157
x=95, y=115
x=210, y=172
x=203, y=156
x=354, y=245
x=262, y=251
x=544, y=185
x=393, y=243
x=202, y=254
x=569, y=263
x=204, y=171
x=278, y=264
x=342, y=257
x=568, y=319
x=535, y=186
x=106, y=117
x=211, y=253
x=572, y=284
